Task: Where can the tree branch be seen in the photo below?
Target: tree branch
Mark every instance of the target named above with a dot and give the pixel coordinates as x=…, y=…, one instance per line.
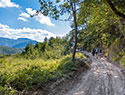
x=114, y=9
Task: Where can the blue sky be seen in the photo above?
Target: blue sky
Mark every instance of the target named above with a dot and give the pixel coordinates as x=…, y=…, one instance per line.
x=15, y=21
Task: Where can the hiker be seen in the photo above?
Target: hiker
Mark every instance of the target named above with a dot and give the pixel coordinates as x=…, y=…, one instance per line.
x=96, y=52
x=100, y=53
x=93, y=51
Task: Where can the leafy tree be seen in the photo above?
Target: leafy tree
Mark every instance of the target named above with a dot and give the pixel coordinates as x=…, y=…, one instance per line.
x=54, y=48
x=51, y=41
x=45, y=39
x=57, y=8
x=120, y=3
x=100, y=25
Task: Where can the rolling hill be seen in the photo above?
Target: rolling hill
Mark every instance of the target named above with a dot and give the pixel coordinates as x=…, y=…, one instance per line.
x=9, y=50
x=16, y=43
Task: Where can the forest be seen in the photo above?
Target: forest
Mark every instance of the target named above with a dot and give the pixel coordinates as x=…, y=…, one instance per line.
x=95, y=23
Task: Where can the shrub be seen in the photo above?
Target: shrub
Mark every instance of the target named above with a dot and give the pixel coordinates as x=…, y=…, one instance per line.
x=19, y=74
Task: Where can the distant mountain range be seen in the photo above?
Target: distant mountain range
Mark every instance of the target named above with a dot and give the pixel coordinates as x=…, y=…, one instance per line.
x=16, y=43
x=9, y=51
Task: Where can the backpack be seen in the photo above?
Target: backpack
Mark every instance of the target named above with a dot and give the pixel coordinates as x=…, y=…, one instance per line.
x=100, y=51
x=96, y=50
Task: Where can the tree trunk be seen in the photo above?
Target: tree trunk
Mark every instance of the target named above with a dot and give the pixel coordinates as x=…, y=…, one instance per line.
x=75, y=46
x=114, y=9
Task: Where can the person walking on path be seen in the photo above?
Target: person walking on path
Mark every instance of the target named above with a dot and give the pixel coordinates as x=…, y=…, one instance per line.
x=100, y=53
x=96, y=52
x=93, y=51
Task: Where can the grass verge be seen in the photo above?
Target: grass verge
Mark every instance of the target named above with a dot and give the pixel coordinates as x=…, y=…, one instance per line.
x=18, y=74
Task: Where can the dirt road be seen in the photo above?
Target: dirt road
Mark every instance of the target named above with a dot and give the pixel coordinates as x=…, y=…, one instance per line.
x=103, y=78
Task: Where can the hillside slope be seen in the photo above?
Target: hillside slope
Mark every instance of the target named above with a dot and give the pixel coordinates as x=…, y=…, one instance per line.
x=8, y=50
x=16, y=43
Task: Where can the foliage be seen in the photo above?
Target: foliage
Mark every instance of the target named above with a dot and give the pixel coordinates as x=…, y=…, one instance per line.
x=117, y=51
x=56, y=8
x=99, y=26
x=19, y=74
x=122, y=61
x=54, y=48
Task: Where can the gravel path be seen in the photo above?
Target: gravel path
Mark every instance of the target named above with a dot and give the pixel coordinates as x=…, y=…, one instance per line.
x=103, y=78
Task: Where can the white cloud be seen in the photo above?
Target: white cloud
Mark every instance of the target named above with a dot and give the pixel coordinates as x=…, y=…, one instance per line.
x=34, y=34
x=24, y=15
x=30, y=11
x=23, y=19
x=44, y=20
x=61, y=35
x=39, y=17
x=4, y=26
x=8, y=3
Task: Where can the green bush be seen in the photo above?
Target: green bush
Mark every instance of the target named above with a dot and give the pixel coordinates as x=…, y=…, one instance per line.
x=19, y=74
x=122, y=61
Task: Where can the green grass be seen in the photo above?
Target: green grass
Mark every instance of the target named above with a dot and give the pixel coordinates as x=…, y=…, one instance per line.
x=18, y=74
x=122, y=61
x=117, y=51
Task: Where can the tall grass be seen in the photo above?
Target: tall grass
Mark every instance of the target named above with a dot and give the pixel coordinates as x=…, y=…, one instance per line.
x=19, y=74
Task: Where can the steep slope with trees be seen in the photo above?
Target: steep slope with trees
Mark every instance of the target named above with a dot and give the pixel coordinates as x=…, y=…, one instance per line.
x=102, y=28
x=96, y=23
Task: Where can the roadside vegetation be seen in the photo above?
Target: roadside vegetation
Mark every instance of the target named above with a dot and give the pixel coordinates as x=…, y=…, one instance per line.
x=19, y=74
x=37, y=66
x=95, y=24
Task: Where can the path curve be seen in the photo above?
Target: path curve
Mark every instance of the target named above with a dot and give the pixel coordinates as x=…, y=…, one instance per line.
x=104, y=78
